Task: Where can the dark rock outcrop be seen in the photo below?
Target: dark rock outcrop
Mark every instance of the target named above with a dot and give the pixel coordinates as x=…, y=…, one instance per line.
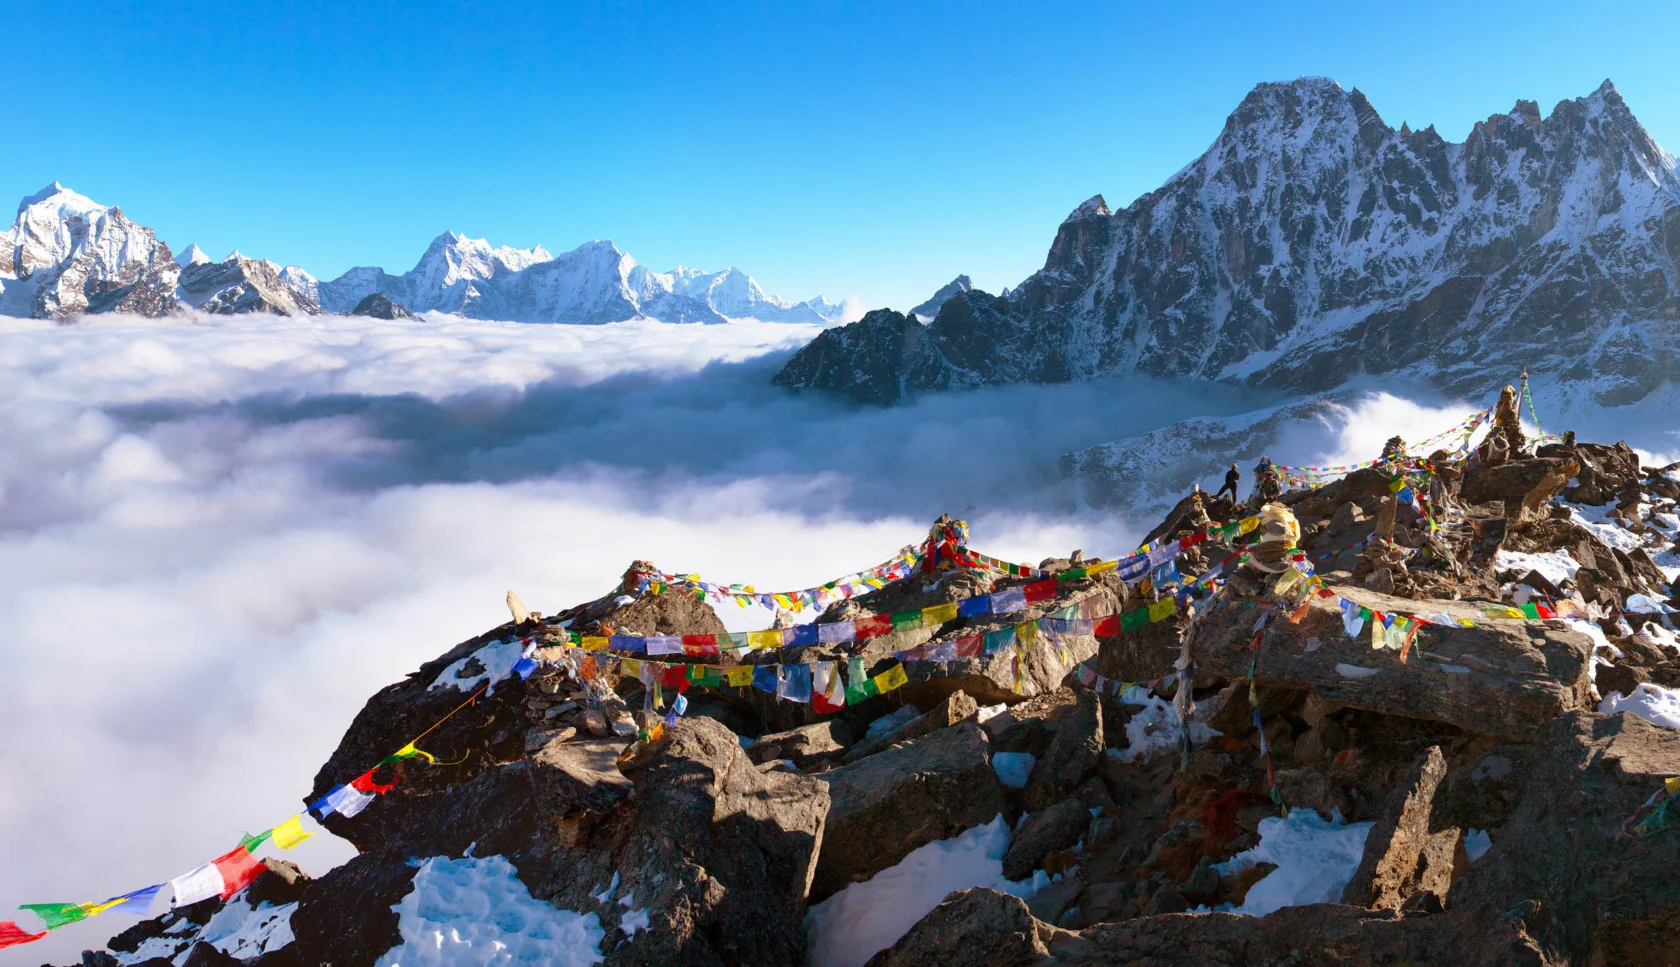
x=378, y=306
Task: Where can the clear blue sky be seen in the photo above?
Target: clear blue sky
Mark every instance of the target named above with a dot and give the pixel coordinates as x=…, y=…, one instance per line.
x=875, y=149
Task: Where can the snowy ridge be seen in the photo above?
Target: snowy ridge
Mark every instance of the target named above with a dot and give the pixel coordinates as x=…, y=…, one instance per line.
x=1311, y=243
x=67, y=254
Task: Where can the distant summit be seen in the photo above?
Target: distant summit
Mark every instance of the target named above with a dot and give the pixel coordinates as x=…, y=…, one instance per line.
x=927, y=310
x=1312, y=243
x=66, y=255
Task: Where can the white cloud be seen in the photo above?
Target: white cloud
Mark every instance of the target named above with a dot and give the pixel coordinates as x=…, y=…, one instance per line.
x=219, y=537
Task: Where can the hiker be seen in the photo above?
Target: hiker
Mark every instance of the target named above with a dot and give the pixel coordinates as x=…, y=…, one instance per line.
x=1267, y=487
x=1233, y=477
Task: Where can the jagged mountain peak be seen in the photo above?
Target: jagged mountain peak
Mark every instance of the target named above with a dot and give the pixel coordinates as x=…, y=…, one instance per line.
x=950, y=290
x=1094, y=205
x=1311, y=243
x=192, y=255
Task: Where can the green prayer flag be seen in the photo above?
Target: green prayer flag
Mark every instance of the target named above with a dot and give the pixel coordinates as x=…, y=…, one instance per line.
x=252, y=842
x=1531, y=611
x=1072, y=574
x=56, y=915
x=1133, y=620
x=907, y=621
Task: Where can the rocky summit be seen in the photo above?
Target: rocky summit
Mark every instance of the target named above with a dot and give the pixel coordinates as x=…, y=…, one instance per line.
x=1422, y=714
x=1312, y=243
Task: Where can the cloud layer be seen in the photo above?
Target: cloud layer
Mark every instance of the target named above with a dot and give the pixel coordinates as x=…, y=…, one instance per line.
x=217, y=538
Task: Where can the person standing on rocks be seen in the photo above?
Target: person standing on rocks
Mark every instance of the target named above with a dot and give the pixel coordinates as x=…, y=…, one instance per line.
x=1233, y=477
x=1266, y=484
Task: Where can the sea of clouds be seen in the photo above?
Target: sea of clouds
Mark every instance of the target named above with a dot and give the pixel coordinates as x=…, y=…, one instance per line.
x=218, y=537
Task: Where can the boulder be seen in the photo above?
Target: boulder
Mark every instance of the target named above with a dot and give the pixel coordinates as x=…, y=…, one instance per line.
x=1500, y=678
x=906, y=796
x=1073, y=756
x=576, y=780
x=1617, y=899
x=1042, y=833
x=802, y=745
x=1403, y=856
x=970, y=928
x=1525, y=486
x=954, y=708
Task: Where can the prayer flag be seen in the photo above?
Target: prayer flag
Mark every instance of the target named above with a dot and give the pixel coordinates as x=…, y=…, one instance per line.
x=593, y=643
x=836, y=632
x=661, y=644
x=907, y=621
x=1394, y=636
x=939, y=614
x=700, y=644
x=890, y=679
x=1009, y=601
x=970, y=646
x=829, y=693
x=1107, y=626
x=11, y=935
x=137, y=902
x=365, y=783
x=1353, y=618
x=238, y=868
x=970, y=607
x=1163, y=609
x=201, y=884
x=764, y=678
x=56, y=915
x=1025, y=632
x=1040, y=591
x=998, y=640
x=740, y=676
x=290, y=833
x=873, y=626
x=858, y=683
x=1133, y=620
x=795, y=685
x=765, y=640
x=1529, y=610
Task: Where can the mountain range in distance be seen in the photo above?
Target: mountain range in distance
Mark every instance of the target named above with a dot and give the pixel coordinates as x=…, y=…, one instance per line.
x=66, y=255
x=1312, y=244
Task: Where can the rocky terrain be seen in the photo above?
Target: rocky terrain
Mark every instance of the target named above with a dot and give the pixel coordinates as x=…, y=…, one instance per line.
x=1312, y=243
x=66, y=255
x=1216, y=751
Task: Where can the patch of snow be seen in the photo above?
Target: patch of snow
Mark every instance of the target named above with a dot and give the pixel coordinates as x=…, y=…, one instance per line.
x=1653, y=703
x=1013, y=768
x=1596, y=520
x=1354, y=671
x=496, y=659
x=1155, y=729
x=1645, y=604
x=1476, y=842
x=1555, y=566
x=243, y=932
x=849, y=927
x=633, y=921
x=475, y=911
x=606, y=892
x=1315, y=859
x=989, y=712
x=888, y=724
x=1660, y=636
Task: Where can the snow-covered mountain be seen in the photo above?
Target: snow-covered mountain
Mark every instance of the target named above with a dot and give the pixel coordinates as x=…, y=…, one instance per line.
x=595, y=282
x=67, y=254
x=1312, y=243
x=929, y=309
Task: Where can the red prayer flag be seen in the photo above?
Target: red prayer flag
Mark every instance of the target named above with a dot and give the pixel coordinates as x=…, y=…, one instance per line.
x=1192, y=540
x=1107, y=626
x=364, y=783
x=700, y=644
x=970, y=646
x=1041, y=591
x=238, y=868
x=11, y=934
x=873, y=626
x=675, y=675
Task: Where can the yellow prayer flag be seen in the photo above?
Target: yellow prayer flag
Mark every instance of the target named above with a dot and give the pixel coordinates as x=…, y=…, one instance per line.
x=1163, y=609
x=891, y=678
x=1100, y=567
x=939, y=614
x=739, y=675
x=95, y=909
x=784, y=600
x=1672, y=784
x=1024, y=633
x=594, y=643
x=291, y=832
x=409, y=751
x=1247, y=525
x=630, y=668
x=763, y=640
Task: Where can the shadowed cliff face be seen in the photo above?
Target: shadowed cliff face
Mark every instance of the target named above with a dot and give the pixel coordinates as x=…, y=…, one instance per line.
x=1311, y=243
